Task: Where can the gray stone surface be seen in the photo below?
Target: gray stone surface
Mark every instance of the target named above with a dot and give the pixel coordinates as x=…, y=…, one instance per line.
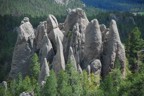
x=54, y=31
x=93, y=42
x=52, y=23
x=23, y=50
x=84, y=44
x=58, y=61
x=113, y=49
x=76, y=16
x=46, y=50
x=96, y=67
x=40, y=32
x=45, y=71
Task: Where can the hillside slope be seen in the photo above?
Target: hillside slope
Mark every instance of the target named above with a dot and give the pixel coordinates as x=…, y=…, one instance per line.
x=34, y=7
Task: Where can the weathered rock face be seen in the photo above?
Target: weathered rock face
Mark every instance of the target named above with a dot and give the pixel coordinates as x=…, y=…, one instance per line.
x=52, y=23
x=46, y=50
x=96, y=67
x=76, y=22
x=76, y=16
x=23, y=49
x=84, y=44
x=58, y=61
x=40, y=32
x=113, y=49
x=45, y=71
x=105, y=32
x=93, y=42
x=76, y=42
x=53, y=31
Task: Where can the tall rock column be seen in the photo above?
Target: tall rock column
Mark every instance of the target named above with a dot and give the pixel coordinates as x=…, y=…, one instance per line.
x=23, y=49
x=58, y=61
x=93, y=42
x=77, y=17
x=53, y=31
x=113, y=48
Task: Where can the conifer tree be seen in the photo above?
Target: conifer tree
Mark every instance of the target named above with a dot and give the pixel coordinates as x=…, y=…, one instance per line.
x=50, y=88
x=74, y=80
x=135, y=43
x=35, y=67
x=64, y=88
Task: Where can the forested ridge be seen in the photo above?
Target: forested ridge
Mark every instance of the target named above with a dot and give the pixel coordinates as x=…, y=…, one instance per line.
x=70, y=82
x=117, y=5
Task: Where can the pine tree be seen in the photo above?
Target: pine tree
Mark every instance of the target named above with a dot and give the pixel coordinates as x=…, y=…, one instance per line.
x=64, y=88
x=35, y=67
x=135, y=43
x=74, y=80
x=111, y=84
x=50, y=88
x=85, y=84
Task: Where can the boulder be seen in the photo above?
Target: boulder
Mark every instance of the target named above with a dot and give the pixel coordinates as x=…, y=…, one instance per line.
x=58, y=61
x=96, y=67
x=45, y=71
x=26, y=94
x=23, y=50
x=113, y=49
x=93, y=42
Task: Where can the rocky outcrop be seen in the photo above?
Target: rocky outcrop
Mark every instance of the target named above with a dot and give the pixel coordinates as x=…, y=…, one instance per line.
x=93, y=42
x=76, y=16
x=96, y=67
x=46, y=50
x=113, y=49
x=45, y=71
x=86, y=45
x=76, y=42
x=58, y=61
x=53, y=31
x=23, y=49
x=40, y=32
x=52, y=23
x=105, y=32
